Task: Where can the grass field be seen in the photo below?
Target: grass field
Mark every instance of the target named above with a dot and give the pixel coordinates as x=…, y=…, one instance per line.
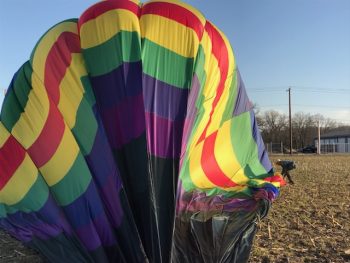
x=309, y=222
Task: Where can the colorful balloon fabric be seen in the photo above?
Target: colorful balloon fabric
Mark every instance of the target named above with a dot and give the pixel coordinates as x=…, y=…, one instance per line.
x=128, y=137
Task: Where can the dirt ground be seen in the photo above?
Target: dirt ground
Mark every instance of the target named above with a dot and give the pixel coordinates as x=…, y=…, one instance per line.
x=309, y=222
x=12, y=251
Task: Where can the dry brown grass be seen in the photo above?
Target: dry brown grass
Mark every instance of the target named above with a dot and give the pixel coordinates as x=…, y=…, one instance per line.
x=310, y=222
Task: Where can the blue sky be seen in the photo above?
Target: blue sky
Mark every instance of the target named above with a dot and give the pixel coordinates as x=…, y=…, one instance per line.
x=304, y=44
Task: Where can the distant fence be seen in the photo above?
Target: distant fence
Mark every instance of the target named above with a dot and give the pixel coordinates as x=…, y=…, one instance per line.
x=275, y=148
x=335, y=148
x=279, y=148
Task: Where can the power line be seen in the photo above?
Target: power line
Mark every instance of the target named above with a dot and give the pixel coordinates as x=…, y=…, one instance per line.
x=306, y=105
x=335, y=91
x=301, y=89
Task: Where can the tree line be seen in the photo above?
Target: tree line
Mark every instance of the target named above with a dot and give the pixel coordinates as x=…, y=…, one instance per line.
x=274, y=127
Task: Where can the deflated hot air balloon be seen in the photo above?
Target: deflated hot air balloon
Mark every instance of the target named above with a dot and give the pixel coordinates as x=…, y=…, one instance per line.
x=128, y=137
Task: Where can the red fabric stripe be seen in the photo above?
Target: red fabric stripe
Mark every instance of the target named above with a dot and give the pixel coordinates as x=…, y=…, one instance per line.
x=103, y=7
x=57, y=62
x=219, y=50
x=11, y=156
x=210, y=165
x=49, y=139
x=275, y=178
x=175, y=12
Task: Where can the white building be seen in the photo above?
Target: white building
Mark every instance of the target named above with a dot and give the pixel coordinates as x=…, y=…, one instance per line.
x=335, y=141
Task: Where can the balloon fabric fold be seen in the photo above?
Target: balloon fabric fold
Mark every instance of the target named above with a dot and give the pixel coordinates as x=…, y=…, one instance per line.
x=128, y=136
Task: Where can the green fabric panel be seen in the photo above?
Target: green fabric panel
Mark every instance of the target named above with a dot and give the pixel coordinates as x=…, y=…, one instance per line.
x=165, y=65
x=255, y=165
x=23, y=84
x=245, y=147
x=241, y=137
x=227, y=115
x=2, y=211
x=186, y=178
x=199, y=67
x=229, y=194
x=85, y=127
x=89, y=94
x=34, y=200
x=11, y=110
x=123, y=47
x=17, y=96
x=73, y=184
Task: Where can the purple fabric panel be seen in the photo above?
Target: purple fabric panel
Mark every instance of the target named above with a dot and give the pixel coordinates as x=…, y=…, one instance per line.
x=242, y=103
x=125, y=121
x=191, y=114
x=94, y=234
x=164, y=100
x=47, y=222
x=106, y=176
x=263, y=157
x=112, y=88
x=23, y=228
x=100, y=159
x=112, y=201
x=199, y=201
x=163, y=136
x=81, y=214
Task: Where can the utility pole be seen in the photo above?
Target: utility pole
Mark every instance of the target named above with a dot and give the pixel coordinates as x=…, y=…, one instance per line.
x=290, y=122
x=319, y=138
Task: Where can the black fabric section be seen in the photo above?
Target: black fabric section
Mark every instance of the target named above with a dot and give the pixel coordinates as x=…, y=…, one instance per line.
x=128, y=236
x=108, y=254
x=61, y=248
x=212, y=237
x=164, y=174
x=132, y=161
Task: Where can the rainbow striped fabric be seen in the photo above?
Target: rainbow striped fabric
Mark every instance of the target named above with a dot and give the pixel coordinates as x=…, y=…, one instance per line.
x=129, y=137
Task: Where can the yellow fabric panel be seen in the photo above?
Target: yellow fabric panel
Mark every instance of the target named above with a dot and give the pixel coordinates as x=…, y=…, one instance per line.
x=207, y=48
x=261, y=182
x=182, y=40
x=32, y=120
x=238, y=188
x=63, y=159
x=46, y=44
x=209, y=90
x=71, y=90
x=197, y=174
x=20, y=182
x=211, y=67
x=221, y=106
x=113, y=22
x=184, y=5
x=225, y=156
x=219, y=109
x=4, y=135
x=277, y=184
x=135, y=1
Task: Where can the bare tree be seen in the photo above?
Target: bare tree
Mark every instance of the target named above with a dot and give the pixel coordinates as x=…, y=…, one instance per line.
x=273, y=126
x=304, y=127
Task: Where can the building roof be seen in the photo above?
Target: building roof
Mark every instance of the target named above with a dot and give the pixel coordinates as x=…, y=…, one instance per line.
x=337, y=133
